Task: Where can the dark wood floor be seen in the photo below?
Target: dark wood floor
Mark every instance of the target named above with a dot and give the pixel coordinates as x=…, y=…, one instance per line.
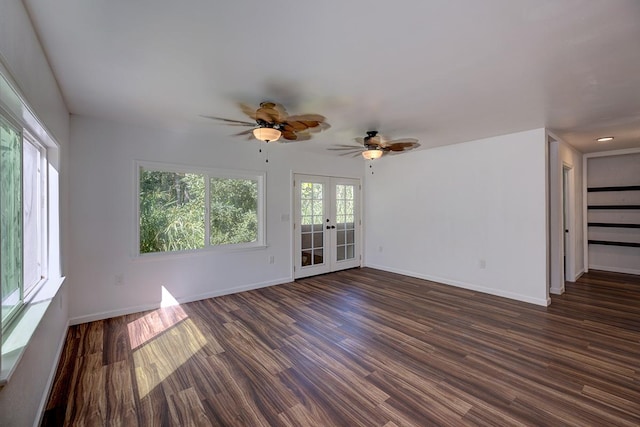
x=361, y=348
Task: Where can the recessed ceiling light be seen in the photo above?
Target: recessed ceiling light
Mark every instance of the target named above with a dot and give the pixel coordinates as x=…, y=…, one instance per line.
x=605, y=139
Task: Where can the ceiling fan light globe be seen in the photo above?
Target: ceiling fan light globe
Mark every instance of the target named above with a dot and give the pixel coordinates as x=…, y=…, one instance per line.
x=267, y=134
x=372, y=154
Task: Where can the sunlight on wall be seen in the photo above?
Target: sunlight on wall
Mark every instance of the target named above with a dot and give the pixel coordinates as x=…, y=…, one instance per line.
x=167, y=299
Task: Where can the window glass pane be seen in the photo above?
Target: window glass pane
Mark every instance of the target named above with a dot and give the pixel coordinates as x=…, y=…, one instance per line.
x=318, y=256
x=307, y=190
x=350, y=251
x=10, y=219
x=234, y=211
x=31, y=215
x=317, y=208
x=317, y=240
x=171, y=211
x=350, y=236
x=349, y=192
x=305, y=207
x=306, y=241
x=317, y=191
x=305, y=258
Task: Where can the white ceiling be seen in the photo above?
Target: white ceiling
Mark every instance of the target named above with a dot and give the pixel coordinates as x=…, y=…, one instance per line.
x=444, y=71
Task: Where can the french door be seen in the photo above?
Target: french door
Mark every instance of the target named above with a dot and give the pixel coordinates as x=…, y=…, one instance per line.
x=326, y=225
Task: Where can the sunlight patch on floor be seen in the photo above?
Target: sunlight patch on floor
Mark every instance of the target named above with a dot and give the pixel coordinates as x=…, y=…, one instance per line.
x=159, y=358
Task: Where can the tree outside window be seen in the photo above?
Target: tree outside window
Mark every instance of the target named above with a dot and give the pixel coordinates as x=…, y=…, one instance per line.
x=183, y=210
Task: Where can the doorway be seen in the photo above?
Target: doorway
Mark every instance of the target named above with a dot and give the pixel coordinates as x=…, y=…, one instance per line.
x=568, y=223
x=326, y=225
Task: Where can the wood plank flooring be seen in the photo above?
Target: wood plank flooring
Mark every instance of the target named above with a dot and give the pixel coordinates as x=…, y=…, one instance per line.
x=361, y=348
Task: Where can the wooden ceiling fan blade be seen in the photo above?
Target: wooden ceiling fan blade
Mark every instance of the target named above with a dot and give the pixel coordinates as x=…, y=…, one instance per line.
x=401, y=146
x=288, y=135
x=401, y=141
x=319, y=127
x=307, y=118
x=341, y=146
x=295, y=125
x=248, y=110
x=269, y=115
x=350, y=154
x=244, y=132
x=231, y=122
x=271, y=112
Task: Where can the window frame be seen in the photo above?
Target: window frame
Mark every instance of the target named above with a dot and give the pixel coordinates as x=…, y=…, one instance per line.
x=27, y=293
x=43, y=219
x=208, y=173
x=17, y=332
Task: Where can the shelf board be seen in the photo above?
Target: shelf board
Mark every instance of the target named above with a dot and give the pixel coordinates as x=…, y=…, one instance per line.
x=612, y=225
x=609, y=243
x=613, y=207
x=616, y=188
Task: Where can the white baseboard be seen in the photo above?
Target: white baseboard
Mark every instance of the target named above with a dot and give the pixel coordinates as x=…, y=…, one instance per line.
x=578, y=275
x=556, y=291
x=155, y=305
x=615, y=269
x=464, y=285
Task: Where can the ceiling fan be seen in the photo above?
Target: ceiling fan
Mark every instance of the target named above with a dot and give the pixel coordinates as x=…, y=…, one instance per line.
x=271, y=122
x=376, y=145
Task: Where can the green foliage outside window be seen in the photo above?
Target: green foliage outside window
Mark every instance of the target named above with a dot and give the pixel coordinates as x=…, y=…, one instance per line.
x=234, y=211
x=10, y=218
x=172, y=211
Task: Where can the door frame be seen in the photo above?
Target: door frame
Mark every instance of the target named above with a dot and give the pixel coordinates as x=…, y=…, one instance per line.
x=359, y=238
x=568, y=207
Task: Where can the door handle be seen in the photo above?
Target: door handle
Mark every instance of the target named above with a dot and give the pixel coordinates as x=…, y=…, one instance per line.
x=330, y=227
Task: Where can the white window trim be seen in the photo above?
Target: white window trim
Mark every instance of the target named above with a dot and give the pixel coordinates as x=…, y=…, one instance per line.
x=17, y=335
x=259, y=176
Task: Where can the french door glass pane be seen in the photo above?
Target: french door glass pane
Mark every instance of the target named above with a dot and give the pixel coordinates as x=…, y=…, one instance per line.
x=311, y=232
x=10, y=219
x=345, y=214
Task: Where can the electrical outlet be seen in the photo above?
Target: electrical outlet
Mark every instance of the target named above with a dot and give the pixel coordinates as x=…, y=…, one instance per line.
x=272, y=259
x=482, y=264
x=119, y=280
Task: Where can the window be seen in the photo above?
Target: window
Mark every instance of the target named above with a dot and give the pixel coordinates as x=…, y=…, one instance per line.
x=30, y=262
x=22, y=217
x=181, y=210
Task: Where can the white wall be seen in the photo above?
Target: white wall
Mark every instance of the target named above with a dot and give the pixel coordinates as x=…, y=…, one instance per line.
x=21, y=54
x=102, y=213
x=605, y=171
x=471, y=215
